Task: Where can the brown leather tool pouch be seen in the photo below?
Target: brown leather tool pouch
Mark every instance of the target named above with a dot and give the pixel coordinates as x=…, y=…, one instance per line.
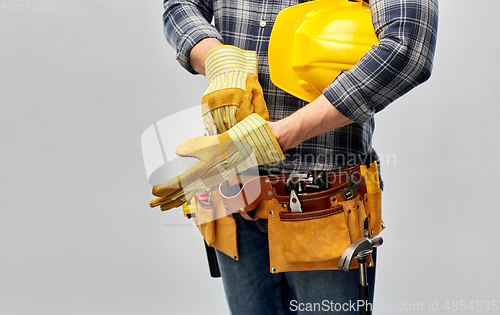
x=311, y=240
x=316, y=238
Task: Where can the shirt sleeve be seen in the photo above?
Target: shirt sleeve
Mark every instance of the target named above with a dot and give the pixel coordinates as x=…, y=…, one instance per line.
x=185, y=24
x=407, y=31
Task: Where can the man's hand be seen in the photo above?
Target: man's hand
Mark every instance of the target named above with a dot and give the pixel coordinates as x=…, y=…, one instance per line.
x=234, y=91
x=248, y=144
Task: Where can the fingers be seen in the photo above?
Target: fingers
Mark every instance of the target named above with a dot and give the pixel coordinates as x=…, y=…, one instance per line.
x=174, y=204
x=209, y=149
x=175, y=192
x=258, y=102
x=195, y=147
x=167, y=202
x=167, y=188
x=183, y=180
x=179, y=196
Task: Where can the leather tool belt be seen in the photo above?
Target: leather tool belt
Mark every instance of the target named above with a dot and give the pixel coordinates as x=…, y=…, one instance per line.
x=310, y=224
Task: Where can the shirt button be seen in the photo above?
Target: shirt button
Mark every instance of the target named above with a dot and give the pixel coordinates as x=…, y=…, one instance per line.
x=263, y=23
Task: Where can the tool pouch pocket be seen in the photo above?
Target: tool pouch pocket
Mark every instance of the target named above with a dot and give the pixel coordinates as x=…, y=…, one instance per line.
x=314, y=236
x=373, y=207
x=355, y=213
x=205, y=220
x=316, y=239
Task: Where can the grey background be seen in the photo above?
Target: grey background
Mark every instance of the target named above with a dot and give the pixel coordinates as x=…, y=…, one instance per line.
x=79, y=85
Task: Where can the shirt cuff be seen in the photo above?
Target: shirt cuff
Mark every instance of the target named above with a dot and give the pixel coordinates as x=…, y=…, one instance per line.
x=189, y=40
x=347, y=97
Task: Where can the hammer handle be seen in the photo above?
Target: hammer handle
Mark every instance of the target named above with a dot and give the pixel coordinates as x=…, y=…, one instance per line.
x=365, y=308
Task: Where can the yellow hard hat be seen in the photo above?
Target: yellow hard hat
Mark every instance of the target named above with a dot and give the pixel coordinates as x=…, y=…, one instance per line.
x=312, y=43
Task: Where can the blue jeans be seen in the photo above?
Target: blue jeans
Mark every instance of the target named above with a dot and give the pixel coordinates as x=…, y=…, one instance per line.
x=251, y=289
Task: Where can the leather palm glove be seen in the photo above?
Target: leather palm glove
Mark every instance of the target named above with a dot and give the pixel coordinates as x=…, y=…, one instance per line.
x=249, y=143
x=234, y=91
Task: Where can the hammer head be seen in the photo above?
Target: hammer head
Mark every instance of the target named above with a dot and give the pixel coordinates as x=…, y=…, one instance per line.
x=360, y=248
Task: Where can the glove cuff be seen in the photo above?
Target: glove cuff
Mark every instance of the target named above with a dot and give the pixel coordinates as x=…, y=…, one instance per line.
x=223, y=59
x=253, y=136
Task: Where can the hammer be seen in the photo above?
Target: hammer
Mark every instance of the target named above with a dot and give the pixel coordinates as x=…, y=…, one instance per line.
x=360, y=249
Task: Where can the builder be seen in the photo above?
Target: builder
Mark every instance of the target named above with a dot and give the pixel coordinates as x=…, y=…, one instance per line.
x=268, y=267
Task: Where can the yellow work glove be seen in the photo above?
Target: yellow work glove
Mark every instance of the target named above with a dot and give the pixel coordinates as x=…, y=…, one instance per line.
x=234, y=91
x=249, y=143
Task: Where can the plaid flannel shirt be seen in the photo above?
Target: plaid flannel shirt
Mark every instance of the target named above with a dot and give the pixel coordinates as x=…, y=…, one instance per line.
x=406, y=30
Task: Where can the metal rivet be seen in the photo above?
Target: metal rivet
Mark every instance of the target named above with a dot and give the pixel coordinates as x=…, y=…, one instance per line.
x=383, y=225
x=263, y=23
x=366, y=199
x=357, y=206
x=235, y=257
x=269, y=192
x=370, y=264
x=283, y=206
x=273, y=270
x=271, y=213
x=360, y=199
x=333, y=199
x=372, y=232
x=242, y=209
x=266, y=180
x=369, y=215
x=294, y=200
x=348, y=210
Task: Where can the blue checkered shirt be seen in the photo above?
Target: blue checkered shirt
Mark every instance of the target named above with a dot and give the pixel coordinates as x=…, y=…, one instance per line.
x=406, y=30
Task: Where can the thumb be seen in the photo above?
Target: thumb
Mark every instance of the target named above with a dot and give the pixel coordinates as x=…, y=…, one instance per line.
x=209, y=149
x=258, y=102
x=195, y=147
